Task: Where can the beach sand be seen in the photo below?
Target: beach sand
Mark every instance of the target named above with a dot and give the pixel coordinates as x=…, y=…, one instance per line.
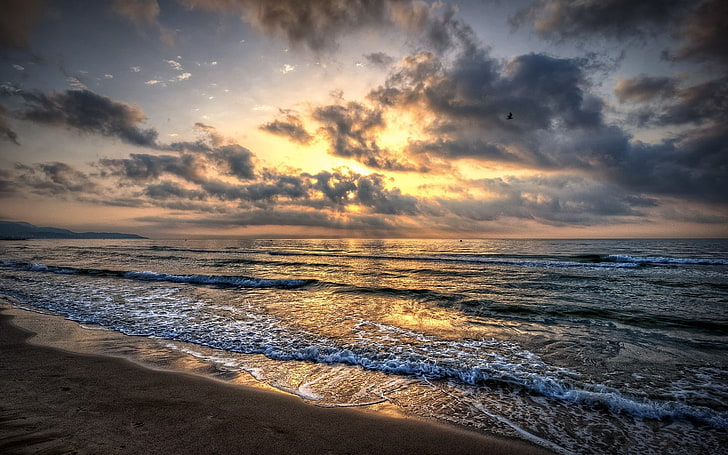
x=58, y=402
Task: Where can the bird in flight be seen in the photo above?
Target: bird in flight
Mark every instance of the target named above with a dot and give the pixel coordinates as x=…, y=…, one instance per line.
x=510, y=116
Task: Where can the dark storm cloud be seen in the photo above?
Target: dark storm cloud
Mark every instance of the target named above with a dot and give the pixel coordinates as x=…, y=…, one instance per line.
x=88, y=112
x=559, y=124
x=289, y=125
x=551, y=200
x=211, y=133
x=230, y=159
x=471, y=97
x=275, y=186
x=17, y=20
x=538, y=89
x=142, y=167
x=233, y=160
x=699, y=26
x=314, y=24
x=706, y=102
x=351, y=131
x=54, y=178
x=318, y=25
x=564, y=19
x=379, y=59
x=692, y=166
x=644, y=88
x=268, y=188
x=169, y=190
x=236, y=159
x=351, y=128
x=702, y=32
x=371, y=192
x=5, y=131
x=336, y=186
x=699, y=104
x=462, y=148
x=326, y=189
x=432, y=26
x=342, y=187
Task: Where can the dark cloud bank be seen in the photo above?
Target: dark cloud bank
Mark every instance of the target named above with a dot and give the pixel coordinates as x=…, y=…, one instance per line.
x=560, y=124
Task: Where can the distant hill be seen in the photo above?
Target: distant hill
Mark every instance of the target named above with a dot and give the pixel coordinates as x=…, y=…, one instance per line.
x=21, y=231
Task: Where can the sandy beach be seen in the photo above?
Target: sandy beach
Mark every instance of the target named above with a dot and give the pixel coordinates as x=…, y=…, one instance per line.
x=56, y=402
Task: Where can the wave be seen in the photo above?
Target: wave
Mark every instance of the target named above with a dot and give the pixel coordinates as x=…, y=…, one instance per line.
x=516, y=369
x=584, y=260
x=470, y=259
x=218, y=280
x=386, y=349
x=632, y=317
x=657, y=260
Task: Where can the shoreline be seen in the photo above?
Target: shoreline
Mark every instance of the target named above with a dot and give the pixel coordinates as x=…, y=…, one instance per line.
x=56, y=400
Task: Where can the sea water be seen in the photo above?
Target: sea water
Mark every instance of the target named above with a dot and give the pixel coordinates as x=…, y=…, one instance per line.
x=581, y=346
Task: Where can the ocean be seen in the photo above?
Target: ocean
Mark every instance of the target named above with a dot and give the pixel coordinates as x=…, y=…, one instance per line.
x=581, y=346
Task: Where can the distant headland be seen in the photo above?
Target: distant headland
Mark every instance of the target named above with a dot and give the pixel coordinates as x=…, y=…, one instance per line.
x=23, y=231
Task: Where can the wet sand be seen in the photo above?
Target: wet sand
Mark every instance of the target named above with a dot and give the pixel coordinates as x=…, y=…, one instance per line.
x=59, y=402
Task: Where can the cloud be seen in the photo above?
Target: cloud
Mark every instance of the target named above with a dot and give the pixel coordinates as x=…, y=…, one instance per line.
x=351, y=130
x=316, y=25
x=55, y=178
x=553, y=200
x=702, y=31
x=196, y=172
x=558, y=123
x=236, y=159
x=319, y=25
x=644, y=88
x=5, y=131
x=379, y=59
x=564, y=19
x=288, y=68
x=468, y=98
x=697, y=25
x=697, y=104
x=89, y=112
x=143, y=167
x=17, y=21
x=195, y=163
x=371, y=192
x=175, y=65
x=289, y=125
x=690, y=167
x=138, y=11
x=211, y=134
x=693, y=105
x=537, y=88
x=143, y=13
x=462, y=148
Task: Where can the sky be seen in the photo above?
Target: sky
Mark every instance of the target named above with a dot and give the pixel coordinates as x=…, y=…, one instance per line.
x=366, y=118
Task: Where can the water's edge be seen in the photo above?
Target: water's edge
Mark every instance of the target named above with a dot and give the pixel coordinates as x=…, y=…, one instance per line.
x=57, y=332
